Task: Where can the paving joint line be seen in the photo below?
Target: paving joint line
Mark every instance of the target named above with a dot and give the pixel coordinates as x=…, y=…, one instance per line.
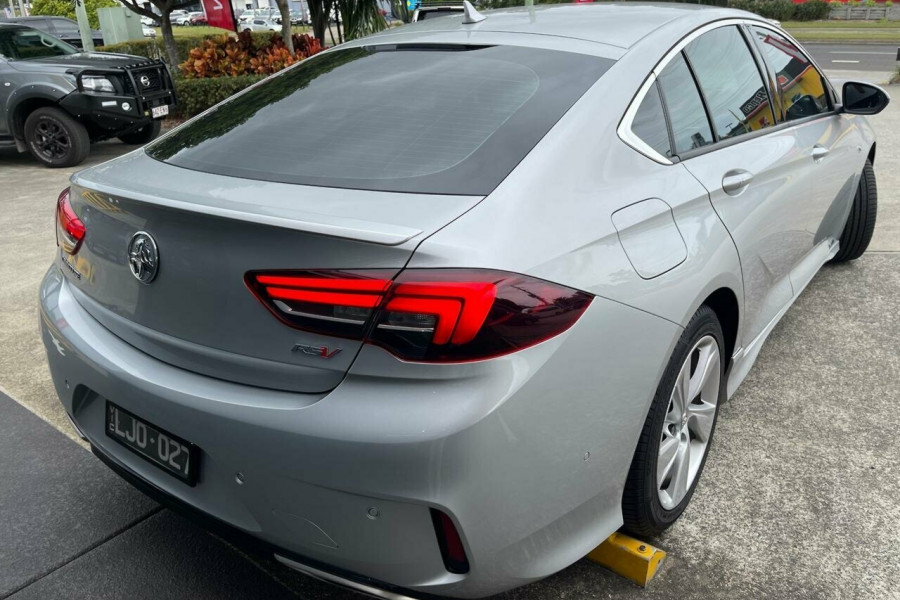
x=87, y=550
x=252, y=560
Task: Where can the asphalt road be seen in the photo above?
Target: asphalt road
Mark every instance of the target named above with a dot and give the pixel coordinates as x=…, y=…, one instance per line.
x=881, y=58
x=798, y=499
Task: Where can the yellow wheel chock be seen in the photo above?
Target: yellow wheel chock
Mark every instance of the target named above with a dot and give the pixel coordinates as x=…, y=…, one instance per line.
x=628, y=557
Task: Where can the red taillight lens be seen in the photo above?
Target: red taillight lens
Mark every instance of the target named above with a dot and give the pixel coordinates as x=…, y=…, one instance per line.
x=69, y=228
x=452, y=550
x=432, y=315
x=329, y=302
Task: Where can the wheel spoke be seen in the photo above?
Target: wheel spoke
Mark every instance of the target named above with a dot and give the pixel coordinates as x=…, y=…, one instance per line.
x=668, y=450
x=707, y=366
x=681, y=479
x=700, y=420
x=680, y=396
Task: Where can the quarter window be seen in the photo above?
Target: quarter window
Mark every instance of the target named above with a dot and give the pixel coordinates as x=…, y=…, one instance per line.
x=687, y=118
x=650, y=123
x=800, y=85
x=727, y=73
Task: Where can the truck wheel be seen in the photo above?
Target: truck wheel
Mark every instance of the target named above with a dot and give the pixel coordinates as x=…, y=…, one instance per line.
x=145, y=134
x=55, y=138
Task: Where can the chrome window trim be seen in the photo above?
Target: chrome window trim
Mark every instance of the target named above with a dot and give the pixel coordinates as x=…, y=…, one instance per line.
x=628, y=136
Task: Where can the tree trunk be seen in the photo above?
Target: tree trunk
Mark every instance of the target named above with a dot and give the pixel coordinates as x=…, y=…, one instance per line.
x=169, y=39
x=285, y=11
x=318, y=14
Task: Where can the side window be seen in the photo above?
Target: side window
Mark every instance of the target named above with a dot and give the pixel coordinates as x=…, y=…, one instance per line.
x=731, y=83
x=650, y=123
x=799, y=83
x=64, y=27
x=687, y=118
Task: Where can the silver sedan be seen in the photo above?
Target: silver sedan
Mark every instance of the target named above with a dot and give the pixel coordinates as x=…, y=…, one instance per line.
x=438, y=310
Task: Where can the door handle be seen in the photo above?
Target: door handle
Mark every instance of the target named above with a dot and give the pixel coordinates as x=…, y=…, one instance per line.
x=734, y=181
x=819, y=152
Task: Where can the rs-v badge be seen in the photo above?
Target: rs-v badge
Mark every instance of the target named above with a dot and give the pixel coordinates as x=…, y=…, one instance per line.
x=320, y=351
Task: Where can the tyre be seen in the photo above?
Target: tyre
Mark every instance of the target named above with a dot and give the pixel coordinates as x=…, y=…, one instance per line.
x=861, y=222
x=143, y=135
x=55, y=138
x=675, y=440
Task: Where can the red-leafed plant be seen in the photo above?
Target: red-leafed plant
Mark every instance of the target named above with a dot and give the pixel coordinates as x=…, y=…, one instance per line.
x=227, y=56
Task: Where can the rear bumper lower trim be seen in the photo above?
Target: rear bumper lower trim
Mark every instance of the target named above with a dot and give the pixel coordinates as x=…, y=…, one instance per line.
x=243, y=540
x=341, y=581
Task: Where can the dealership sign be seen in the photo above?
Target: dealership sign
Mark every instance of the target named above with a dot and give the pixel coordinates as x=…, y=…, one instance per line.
x=220, y=14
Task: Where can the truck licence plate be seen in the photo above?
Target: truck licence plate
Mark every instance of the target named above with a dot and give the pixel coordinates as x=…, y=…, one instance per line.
x=159, y=111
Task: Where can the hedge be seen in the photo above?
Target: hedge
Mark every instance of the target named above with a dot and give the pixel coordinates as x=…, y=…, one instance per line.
x=196, y=95
x=153, y=48
x=784, y=10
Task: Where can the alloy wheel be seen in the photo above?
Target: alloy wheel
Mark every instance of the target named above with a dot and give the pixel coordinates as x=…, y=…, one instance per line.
x=689, y=421
x=52, y=139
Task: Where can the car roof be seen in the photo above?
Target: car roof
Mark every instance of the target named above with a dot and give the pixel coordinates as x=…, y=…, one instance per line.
x=616, y=24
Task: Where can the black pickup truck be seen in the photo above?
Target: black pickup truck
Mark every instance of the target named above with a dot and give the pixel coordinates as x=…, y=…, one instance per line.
x=55, y=100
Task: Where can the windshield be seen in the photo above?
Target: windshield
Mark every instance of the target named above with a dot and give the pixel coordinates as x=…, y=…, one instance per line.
x=405, y=118
x=24, y=43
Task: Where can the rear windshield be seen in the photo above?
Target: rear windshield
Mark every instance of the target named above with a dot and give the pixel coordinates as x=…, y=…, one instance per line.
x=441, y=120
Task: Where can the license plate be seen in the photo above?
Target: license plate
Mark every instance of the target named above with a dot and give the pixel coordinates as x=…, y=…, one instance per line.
x=159, y=111
x=169, y=452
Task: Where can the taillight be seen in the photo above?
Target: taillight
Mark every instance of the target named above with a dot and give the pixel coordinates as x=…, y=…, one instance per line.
x=69, y=228
x=431, y=315
x=330, y=302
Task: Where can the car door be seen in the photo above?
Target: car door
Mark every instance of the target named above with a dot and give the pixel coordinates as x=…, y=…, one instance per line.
x=759, y=176
x=806, y=103
x=6, y=88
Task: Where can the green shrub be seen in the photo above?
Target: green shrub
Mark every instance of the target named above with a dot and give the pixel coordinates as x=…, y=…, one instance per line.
x=784, y=10
x=66, y=8
x=780, y=10
x=153, y=48
x=813, y=10
x=196, y=95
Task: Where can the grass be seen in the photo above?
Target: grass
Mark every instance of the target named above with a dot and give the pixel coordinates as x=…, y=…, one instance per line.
x=199, y=31
x=844, y=31
x=841, y=24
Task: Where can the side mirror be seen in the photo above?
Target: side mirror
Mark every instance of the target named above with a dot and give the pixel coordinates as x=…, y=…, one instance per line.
x=864, y=98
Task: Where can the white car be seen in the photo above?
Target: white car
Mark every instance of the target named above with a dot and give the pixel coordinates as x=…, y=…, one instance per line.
x=262, y=25
x=182, y=18
x=148, y=32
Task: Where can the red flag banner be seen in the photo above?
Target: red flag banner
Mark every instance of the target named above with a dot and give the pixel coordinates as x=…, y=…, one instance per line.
x=219, y=14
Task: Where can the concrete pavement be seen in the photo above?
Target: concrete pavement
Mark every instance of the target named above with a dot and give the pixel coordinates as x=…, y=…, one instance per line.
x=798, y=499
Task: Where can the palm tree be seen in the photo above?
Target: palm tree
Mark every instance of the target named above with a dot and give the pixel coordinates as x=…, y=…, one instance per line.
x=358, y=18
x=361, y=17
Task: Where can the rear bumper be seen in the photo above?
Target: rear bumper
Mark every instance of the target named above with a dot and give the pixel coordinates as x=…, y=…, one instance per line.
x=527, y=454
x=328, y=573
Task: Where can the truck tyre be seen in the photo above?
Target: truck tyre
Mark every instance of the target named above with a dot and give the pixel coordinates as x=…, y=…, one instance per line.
x=141, y=136
x=55, y=138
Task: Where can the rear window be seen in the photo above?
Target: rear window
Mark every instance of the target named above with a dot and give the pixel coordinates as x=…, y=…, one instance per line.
x=439, y=119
